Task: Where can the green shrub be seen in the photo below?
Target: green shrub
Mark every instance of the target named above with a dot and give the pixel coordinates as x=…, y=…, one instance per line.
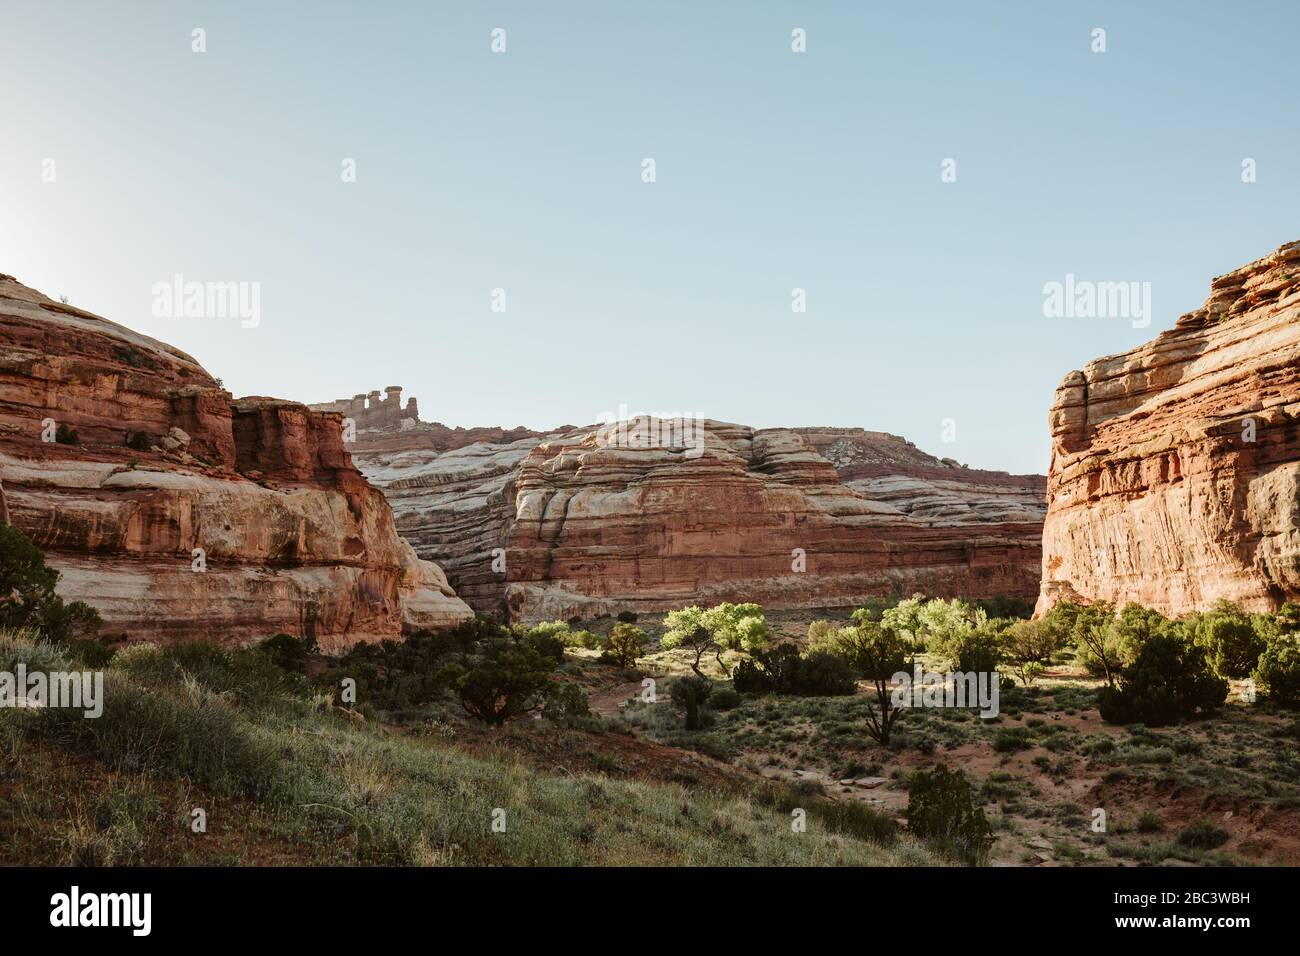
x=1149, y=822
x=627, y=617
x=1011, y=739
x=1229, y=638
x=783, y=670
x=1278, y=672
x=1203, y=835
x=942, y=810
x=1168, y=681
x=724, y=698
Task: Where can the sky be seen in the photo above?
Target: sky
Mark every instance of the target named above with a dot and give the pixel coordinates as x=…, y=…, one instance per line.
x=129, y=158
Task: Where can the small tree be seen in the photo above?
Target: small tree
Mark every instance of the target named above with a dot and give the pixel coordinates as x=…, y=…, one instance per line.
x=1098, y=641
x=625, y=644
x=27, y=597
x=692, y=694
x=1027, y=646
x=505, y=679
x=735, y=627
x=877, y=653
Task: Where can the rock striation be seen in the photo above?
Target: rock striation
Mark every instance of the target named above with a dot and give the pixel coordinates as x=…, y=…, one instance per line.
x=572, y=523
x=177, y=512
x=1175, y=475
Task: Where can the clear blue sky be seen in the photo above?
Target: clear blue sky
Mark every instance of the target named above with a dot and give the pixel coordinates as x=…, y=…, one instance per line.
x=775, y=170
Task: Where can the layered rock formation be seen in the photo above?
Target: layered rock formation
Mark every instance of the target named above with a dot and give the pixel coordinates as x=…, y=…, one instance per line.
x=178, y=513
x=1175, y=476
x=569, y=523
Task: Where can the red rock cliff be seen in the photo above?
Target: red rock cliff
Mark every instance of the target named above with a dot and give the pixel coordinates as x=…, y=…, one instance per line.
x=585, y=527
x=121, y=457
x=1175, y=476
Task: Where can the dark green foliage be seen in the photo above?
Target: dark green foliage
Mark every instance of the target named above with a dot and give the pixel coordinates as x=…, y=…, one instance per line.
x=783, y=670
x=942, y=810
x=1231, y=641
x=27, y=598
x=627, y=617
x=502, y=679
x=289, y=653
x=1203, y=835
x=1011, y=739
x=564, y=702
x=1278, y=671
x=1007, y=607
x=691, y=694
x=1168, y=681
x=724, y=698
x=625, y=644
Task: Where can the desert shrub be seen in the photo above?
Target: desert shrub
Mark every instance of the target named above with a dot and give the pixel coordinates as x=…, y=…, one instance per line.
x=586, y=640
x=625, y=644
x=942, y=810
x=1278, y=672
x=1011, y=739
x=627, y=617
x=724, y=698
x=1229, y=637
x=27, y=597
x=1169, y=680
x=1149, y=822
x=823, y=674
x=564, y=702
x=288, y=652
x=976, y=651
x=547, y=639
x=783, y=670
x=1202, y=835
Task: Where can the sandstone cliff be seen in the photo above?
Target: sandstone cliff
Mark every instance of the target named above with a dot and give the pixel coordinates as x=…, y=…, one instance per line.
x=586, y=527
x=177, y=512
x=1175, y=476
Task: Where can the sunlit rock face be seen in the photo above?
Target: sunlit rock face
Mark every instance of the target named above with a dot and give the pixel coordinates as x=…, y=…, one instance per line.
x=1175, y=465
x=179, y=513
x=582, y=522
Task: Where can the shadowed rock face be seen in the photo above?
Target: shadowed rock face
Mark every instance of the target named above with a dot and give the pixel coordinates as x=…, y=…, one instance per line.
x=1175, y=477
x=155, y=461
x=587, y=527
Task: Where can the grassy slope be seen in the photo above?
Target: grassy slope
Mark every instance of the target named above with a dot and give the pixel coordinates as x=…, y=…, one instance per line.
x=285, y=781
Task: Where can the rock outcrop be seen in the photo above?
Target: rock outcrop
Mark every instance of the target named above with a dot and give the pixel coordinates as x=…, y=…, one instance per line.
x=1175, y=475
x=177, y=512
x=568, y=523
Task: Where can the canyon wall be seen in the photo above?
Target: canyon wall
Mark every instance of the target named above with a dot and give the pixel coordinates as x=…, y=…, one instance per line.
x=1175, y=475
x=569, y=523
x=179, y=513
